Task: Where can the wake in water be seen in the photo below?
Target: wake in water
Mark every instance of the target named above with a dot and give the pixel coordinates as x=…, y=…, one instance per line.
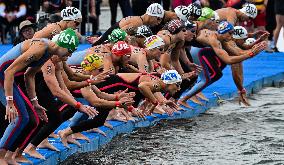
x=229, y=134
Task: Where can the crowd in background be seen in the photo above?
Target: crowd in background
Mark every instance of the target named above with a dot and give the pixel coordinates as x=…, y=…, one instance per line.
x=13, y=12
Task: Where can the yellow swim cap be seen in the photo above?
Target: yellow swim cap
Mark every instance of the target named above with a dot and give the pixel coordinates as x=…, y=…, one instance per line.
x=91, y=62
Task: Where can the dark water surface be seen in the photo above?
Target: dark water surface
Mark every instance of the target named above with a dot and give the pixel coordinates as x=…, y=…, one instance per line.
x=226, y=135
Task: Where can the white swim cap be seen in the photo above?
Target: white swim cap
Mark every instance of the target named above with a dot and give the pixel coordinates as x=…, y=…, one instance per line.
x=155, y=10
x=171, y=77
x=182, y=12
x=250, y=10
x=240, y=32
x=71, y=14
x=250, y=41
x=153, y=41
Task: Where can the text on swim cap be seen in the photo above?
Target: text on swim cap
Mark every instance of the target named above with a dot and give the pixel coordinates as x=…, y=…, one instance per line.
x=69, y=12
x=67, y=39
x=239, y=32
x=120, y=46
x=196, y=10
x=250, y=9
x=184, y=10
x=155, y=10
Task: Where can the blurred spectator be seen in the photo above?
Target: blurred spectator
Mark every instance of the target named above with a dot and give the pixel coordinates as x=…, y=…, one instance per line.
x=26, y=31
x=271, y=21
x=279, y=11
x=93, y=15
x=125, y=8
x=12, y=12
x=260, y=21
x=33, y=7
x=139, y=7
x=216, y=4
x=53, y=6
x=237, y=4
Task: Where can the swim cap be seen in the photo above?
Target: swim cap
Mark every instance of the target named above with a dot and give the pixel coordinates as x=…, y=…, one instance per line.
x=155, y=10
x=174, y=26
x=67, y=39
x=195, y=10
x=250, y=41
x=182, y=12
x=171, y=77
x=207, y=13
x=91, y=62
x=144, y=31
x=117, y=35
x=250, y=10
x=71, y=14
x=225, y=27
x=240, y=32
x=153, y=41
x=121, y=48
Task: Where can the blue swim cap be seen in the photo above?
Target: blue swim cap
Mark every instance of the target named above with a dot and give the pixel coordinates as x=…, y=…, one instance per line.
x=225, y=27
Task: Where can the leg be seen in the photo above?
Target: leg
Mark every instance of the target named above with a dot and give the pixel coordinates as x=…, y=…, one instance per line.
x=113, y=10
x=125, y=8
x=279, y=25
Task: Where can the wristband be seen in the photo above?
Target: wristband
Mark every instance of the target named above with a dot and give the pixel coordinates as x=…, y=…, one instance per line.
x=130, y=108
x=9, y=98
x=34, y=99
x=78, y=105
x=117, y=104
x=251, y=54
x=243, y=91
x=155, y=103
x=116, y=97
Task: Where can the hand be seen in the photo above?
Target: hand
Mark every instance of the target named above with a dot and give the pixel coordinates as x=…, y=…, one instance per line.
x=125, y=101
x=259, y=47
x=41, y=112
x=100, y=78
x=92, y=40
x=166, y=108
x=195, y=67
x=11, y=112
x=263, y=10
x=125, y=94
x=243, y=99
x=264, y=36
x=189, y=75
x=171, y=104
x=138, y=113
x=90, y=111
x=149, y=109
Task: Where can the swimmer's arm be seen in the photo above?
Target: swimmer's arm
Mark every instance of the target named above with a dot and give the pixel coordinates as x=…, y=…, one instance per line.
x=73, y=85
x=104, y=95
x=146, y=89
x=32, y=54
x=132, y=69
x=160, y=97
x=232, y=18
x=175, y=60
x=108, y=65
x=165, y=61
x=92, y=98
x=143, y=63
x=74, y=76
x=29, y=78
x=48, y=70
x=184, y=58
x=237, y=73
x=44, y=33
x=224, y=56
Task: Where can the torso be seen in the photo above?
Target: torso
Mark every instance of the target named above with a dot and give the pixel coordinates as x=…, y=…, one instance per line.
x=130, y=24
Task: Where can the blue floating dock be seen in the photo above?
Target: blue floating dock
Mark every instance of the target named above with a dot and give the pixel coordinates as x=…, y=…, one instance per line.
x=259, y=72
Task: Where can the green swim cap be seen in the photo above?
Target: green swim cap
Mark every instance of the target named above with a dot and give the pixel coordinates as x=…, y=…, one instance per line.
x=207, y=13
x=117, y=35
x=67, y=39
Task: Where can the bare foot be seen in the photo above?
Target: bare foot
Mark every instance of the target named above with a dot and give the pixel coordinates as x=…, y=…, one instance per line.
x=108, y=125
x=97, y=130
x=63, y=138
x=184, y=103
x=201, y=96
x=45, y=144
x=53, y=135
x=31, y=150
x=21, y=159
x=80, y=136
x=117, y=117
x=73, y=141
x=195, y=100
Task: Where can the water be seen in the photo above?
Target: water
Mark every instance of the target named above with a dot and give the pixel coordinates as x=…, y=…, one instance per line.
x=226, y=135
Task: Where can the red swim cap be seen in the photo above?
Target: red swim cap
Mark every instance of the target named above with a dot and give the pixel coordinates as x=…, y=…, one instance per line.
x=121, y=48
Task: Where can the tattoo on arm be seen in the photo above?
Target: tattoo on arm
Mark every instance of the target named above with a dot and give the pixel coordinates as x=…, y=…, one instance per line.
x=29, y=59
x=49, y=69
x=146, y=67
